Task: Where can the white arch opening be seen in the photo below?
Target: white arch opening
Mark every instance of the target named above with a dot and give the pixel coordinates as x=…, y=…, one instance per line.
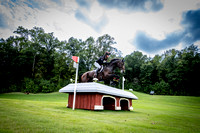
x=108, y=104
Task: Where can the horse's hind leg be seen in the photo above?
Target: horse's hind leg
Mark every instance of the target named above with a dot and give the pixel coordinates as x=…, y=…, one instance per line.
x=84, y=78
x=90, y=77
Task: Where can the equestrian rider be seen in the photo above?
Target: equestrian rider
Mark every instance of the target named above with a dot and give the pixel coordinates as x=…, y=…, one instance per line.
x=100, y=62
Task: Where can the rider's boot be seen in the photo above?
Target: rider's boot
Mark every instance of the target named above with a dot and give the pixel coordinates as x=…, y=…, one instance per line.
x=95, y=74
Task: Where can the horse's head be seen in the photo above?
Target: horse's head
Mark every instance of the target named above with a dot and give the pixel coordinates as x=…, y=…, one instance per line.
x=120, y=65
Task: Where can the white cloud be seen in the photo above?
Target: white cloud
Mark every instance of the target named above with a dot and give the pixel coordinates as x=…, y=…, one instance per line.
x=156, y=25
x=60, y=19
x=197, y=43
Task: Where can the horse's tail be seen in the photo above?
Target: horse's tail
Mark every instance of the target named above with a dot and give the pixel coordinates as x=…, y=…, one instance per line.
x=86, y=77
x=83, y=77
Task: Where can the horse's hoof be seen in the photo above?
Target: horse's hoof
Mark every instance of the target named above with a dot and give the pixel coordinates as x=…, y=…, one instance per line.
x=95, y=79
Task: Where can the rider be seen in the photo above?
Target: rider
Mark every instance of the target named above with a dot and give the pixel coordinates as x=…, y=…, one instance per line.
x=100, y=62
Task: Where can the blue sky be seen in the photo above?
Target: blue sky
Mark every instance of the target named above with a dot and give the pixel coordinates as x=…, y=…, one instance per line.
x=149, y=26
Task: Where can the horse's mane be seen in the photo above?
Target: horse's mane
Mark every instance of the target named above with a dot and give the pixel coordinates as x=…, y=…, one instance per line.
x=113, y=61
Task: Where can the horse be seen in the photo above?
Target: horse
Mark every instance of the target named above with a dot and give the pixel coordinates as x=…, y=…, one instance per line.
x=107, y=73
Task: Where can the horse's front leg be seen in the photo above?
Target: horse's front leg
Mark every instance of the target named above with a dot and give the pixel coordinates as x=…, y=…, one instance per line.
x=111, y=76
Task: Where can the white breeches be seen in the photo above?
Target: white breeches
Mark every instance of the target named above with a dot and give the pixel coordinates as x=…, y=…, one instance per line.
x=97, y=65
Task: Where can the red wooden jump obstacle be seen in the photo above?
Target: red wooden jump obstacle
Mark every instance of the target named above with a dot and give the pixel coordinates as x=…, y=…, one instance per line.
x=95, y=96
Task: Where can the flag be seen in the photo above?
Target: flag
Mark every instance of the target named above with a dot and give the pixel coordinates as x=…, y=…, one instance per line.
x=75, y=65
x=75, y=58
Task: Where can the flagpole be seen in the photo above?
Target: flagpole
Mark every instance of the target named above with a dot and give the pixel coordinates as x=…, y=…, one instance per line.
x=75, y=84
x=123, y=79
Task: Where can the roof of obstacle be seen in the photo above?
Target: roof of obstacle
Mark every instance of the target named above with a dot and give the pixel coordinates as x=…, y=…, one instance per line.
x=98, y=88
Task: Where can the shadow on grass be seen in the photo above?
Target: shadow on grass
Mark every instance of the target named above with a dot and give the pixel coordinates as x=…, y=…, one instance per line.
x=97, y=111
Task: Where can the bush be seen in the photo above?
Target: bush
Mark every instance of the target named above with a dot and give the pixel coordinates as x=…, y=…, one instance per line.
x=60, y=84
x=148, y=88
x=29, y=85
x=36, y=86
x=46, y=86
x=161, y=88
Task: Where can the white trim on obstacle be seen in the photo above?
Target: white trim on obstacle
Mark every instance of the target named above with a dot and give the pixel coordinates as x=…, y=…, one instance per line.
x=110, y=97
x=129, y=107
x=98, y=107
x=117, y=108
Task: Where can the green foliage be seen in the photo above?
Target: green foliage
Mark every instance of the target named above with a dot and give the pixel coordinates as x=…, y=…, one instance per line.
x=46, y=86
x=173, y=73
x=161, y=88
x=36, y=86
x=29, y=85
x=36, y=61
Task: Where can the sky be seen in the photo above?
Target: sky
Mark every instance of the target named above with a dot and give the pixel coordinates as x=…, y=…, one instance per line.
x=149, y=26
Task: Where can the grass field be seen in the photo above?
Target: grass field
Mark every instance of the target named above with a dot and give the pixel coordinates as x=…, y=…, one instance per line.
x=48, y=113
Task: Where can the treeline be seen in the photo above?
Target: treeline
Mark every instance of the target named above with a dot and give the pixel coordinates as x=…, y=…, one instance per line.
x=35, y=61
x=172, y=73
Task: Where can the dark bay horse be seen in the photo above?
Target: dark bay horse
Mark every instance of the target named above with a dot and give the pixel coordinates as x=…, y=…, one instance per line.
x=107, y=73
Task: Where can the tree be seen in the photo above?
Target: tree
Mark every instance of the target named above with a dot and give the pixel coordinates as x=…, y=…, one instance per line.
x=37, y=61
x=133, y=63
